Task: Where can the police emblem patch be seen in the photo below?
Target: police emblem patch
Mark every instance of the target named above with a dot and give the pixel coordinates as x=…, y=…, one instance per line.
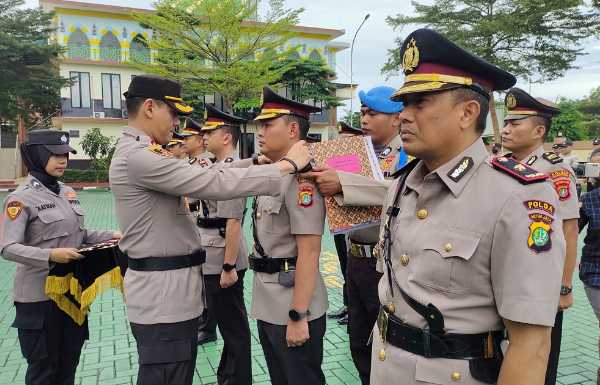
x=14, y=209
x=561, y=179
x=410, y=59
x=305, y=195
x=63, y=139
x=461, y=169
x=539, y=236
x=386, y=164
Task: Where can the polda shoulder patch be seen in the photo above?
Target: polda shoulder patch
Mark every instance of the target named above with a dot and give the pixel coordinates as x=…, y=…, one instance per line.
x=552, y=157
x=519, y=171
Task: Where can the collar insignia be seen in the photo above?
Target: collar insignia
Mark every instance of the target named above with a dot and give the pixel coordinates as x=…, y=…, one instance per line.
x=461, y=169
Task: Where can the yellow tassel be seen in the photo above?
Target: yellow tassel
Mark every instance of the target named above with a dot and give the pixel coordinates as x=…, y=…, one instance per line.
x=58, y=285
x=110, y=280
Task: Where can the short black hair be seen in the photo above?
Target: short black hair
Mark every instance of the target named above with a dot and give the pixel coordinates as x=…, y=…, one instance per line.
x=543, y=121
x=303, y=123
x=133, y=104
x=464, y=94
x=235, y=133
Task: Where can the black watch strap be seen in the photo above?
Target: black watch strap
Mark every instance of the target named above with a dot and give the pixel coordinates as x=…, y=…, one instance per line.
x=297, y=316
x=228, y=267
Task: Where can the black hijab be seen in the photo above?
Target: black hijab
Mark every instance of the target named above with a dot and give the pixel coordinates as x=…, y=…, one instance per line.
x=36, y=158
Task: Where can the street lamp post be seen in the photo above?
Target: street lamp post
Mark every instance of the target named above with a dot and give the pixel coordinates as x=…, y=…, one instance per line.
x=351, y=73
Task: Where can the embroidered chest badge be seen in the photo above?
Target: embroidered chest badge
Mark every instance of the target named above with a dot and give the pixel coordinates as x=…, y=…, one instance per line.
x=386, y=164
x=14, y=209
x=561, y=179
x=305, y=195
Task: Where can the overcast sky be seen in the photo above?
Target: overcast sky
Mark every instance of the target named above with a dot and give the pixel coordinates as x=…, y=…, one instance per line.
x=376, y=37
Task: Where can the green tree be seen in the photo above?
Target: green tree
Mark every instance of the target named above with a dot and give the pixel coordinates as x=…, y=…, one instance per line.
x=307, y=80
x=590, y=107
x=100, y=148
x=353, y=120
x=28, y=64
x=537, y=40
x=219, y=46
x=570, y=122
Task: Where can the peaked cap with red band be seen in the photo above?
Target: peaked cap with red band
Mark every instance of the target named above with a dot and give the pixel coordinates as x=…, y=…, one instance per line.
x=275, y=105
x=433, y=63
x=215, y=118
x=520, y=105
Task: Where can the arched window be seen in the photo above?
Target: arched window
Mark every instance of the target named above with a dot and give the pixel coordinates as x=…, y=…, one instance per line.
x=78, y=45
x=139, y=52
x=315, y=55
x=110, y=49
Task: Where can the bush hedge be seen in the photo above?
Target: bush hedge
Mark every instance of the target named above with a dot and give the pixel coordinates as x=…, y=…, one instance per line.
x=74, y=176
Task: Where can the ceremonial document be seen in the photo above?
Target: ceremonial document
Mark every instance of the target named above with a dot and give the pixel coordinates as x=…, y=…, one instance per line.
x=354, y=155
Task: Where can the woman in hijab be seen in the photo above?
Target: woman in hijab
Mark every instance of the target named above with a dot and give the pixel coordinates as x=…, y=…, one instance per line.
x=43, y=225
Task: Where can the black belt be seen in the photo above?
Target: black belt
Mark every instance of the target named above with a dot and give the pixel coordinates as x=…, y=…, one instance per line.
x=426, y=344
x=167, y=263
x=271, y=265
x=211, y=223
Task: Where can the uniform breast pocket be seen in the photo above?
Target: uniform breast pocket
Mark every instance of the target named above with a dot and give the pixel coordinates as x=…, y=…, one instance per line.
x=269, y=215
x=51, y=223
x=445, y=261
x=79, y=212
x=212, y=240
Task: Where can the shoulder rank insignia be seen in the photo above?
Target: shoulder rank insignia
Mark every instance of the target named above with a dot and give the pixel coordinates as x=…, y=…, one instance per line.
x=157, y=149
x=519, y=171
x=14, y=209
x=532, y=159
x=458, y=171
x=552, y=157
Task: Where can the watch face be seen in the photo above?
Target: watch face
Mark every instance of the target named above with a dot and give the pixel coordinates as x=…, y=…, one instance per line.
x=294, y=315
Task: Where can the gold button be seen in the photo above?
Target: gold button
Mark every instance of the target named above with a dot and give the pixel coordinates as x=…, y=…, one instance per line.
x=382, y=355
x=258, y=215
x=455, y=376
x=448, y=247
x=404, y=259
x=376, y=252
x=391, y=308
x=422, y=214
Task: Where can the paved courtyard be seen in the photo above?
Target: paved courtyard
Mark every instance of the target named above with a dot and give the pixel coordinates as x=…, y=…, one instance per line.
x=110, y=358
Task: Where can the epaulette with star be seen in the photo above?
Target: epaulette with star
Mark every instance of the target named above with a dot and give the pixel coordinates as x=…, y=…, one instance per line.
x=521, y=172
x=552, y=157
x=158, y=150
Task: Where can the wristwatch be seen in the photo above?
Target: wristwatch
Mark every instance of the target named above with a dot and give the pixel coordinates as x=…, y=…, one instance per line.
x=565, y=290
x=297, y=316
x=227, y=267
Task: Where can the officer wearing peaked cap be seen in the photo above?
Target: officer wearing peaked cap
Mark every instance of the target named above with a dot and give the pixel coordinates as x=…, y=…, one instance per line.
x=42, y=225
x=163, y=284
x=471, y=243
x=526, y=126
x=380, y=121
x=220, y=225
x=289, y=298
x=193, y=141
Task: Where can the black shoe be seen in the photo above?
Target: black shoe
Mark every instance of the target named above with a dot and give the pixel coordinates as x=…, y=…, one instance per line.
x=343, y=320
x=339, y=313
x=206, y=337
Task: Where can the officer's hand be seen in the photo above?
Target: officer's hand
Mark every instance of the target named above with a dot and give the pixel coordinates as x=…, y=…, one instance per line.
x=262, y=159
x=299, y=154
x=327, y=180
x=64, y=255
x=297, y=333
x=566, y=301
x=117, y=235
x=228, y=278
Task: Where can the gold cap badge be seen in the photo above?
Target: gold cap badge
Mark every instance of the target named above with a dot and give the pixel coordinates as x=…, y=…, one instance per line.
x=410, y=59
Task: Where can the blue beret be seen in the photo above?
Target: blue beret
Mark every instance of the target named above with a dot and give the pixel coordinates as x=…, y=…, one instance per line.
x=378, y=99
